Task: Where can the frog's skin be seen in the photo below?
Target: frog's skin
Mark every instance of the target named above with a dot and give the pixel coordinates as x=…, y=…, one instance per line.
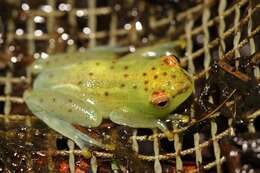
x=61, y=59
x=104, y=52
x=132, y=91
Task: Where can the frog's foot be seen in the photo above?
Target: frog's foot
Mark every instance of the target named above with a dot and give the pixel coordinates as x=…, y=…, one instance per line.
x=179, y=120
x=86, y=153
x=162, y=126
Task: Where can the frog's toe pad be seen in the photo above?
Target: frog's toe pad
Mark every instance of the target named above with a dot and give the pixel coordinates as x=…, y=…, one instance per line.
x=86, y=153
x=169, y=135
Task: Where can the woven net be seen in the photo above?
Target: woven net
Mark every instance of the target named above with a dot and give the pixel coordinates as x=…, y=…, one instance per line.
x=31, y=29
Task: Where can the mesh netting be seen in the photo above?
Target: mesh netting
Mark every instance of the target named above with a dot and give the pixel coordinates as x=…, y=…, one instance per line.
x=31, y=29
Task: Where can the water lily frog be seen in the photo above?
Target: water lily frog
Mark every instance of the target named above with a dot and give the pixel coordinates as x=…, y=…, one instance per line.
x=137, y=90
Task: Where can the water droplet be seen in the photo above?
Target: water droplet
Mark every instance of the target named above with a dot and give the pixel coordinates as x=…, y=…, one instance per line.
x=11, y=48
x=60, y=30
x=70, y=42
x=64, y=7
x=38, y=19
x=86, y=30
x=14, y=59
x=138, y=26
x=127, y=26
x=65, y=36
x=46, y=8
x=132, y=49
x=150, y=54
x=36, y=56
x=25, y=7
x=19, y=31
x=233, y=153
x=80, y=13
x=44, y=55
x=38, y=33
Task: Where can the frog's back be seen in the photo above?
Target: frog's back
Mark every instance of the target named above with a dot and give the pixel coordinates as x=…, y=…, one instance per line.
x=98, y=77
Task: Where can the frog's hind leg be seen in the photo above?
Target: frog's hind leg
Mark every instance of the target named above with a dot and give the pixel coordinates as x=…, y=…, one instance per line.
x=66, y=129
x=51, y=107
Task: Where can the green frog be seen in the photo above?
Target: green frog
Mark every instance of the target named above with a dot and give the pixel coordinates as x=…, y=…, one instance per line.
x=138, y=90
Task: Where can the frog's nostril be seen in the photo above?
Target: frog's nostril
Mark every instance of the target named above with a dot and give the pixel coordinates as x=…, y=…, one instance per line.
x=170, y=60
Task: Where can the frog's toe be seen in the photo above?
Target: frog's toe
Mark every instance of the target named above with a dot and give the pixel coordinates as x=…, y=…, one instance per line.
x=162, y=126
x=169, y=135
x=86, y=153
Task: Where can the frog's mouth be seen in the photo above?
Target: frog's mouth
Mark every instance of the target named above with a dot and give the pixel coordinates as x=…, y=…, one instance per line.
x=159, y=98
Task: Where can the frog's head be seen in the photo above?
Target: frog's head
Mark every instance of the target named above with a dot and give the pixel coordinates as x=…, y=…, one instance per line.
x=170, y=85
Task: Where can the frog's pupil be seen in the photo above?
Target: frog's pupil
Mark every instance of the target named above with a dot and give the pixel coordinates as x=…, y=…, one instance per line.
x=162, y=104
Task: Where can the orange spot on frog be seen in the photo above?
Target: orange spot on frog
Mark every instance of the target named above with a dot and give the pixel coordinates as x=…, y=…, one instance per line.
x=170, y=60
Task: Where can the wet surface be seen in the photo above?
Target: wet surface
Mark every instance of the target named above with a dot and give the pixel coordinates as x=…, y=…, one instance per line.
x=242, y=152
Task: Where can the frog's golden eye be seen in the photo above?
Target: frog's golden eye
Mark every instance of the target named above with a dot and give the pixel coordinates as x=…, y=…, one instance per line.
x=160, y=99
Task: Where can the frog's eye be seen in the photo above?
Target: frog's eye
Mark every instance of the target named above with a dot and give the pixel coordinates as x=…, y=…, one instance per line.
x=159, y=99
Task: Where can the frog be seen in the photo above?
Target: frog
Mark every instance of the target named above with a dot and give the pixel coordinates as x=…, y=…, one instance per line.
x=138, y=90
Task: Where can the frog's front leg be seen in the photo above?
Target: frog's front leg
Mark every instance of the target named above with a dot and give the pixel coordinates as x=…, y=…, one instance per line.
x=179, y=120
x=59, y=111
x=126, y=116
